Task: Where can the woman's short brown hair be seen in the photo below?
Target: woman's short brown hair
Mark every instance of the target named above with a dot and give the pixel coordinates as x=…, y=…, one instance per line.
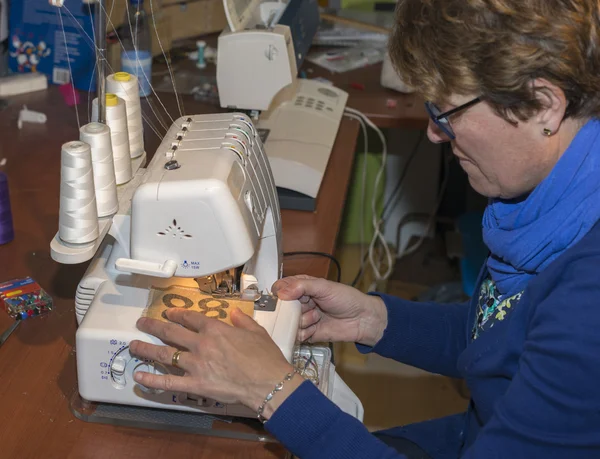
x=496, y=48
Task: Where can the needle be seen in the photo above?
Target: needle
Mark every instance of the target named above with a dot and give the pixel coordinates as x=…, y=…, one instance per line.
x=4, y=336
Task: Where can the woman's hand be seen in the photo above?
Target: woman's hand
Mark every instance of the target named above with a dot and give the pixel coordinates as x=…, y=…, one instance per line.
x=334, y=312
x=228, y=364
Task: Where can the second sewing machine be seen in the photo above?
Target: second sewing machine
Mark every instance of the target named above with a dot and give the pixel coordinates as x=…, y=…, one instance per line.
x=298, y=118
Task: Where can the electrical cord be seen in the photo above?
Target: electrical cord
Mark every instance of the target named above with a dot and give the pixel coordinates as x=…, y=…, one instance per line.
x=377, y=222
x=432, y=215
x=363, y=255
x=363, y=183
x=392, y=198
x=413, y=217
x=360, y=272
x=320, y=254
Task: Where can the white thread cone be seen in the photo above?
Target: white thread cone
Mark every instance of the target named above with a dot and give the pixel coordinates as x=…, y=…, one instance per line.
x=116, y=120
x=98, y=137
x=125, y=86
x=78, y=214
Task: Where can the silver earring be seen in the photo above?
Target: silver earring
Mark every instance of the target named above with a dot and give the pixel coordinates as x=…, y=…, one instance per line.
x=547, y=132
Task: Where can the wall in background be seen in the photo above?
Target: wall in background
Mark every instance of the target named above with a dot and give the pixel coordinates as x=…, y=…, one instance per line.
x=421, y=184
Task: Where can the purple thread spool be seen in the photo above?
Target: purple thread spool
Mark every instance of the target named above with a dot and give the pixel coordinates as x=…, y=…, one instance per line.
x=7, y=232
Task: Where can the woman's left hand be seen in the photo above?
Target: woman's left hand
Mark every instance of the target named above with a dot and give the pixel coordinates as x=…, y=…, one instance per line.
x=228, y=364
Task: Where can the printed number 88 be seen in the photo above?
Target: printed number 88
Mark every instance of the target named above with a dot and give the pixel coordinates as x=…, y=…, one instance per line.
x=203, y=304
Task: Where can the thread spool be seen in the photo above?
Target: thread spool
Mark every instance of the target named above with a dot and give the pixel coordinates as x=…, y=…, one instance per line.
x=125, y=86
x=78, y=214
x=116, y=120
x=7, y=231
x=200, y=61
x=97, y=136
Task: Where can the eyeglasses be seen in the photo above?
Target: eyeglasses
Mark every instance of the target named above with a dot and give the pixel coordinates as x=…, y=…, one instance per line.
x=441, y=119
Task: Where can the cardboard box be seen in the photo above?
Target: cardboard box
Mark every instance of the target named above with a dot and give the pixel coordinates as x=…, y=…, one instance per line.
x=176, y=20
x=37, y=41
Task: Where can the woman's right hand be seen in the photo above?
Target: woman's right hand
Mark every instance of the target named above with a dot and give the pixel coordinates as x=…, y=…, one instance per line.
x=334, y=312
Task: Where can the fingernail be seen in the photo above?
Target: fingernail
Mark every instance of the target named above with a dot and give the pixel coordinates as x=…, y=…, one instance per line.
x=281, y=283
x=138, y=377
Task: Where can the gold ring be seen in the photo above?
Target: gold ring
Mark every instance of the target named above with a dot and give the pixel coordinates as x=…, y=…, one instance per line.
x=175, y=358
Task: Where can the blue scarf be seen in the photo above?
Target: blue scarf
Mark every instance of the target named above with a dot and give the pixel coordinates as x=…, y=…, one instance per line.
x=525, y=236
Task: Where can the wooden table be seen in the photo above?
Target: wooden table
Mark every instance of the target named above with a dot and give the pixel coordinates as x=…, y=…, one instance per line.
x=37, y=363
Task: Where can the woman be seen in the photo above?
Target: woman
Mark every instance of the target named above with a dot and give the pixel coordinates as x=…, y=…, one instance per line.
x=516, y=85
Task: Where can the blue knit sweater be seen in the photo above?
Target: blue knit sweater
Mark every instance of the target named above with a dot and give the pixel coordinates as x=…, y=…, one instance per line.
x=532, y=365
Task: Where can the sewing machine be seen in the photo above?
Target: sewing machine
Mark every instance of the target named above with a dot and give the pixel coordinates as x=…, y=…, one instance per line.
x=203, y=215
x=257, y=67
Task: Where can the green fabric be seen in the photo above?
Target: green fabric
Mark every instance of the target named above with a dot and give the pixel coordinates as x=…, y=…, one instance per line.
x=350, y=229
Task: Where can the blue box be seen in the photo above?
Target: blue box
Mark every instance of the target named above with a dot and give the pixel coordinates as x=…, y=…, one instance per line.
x=37, y=42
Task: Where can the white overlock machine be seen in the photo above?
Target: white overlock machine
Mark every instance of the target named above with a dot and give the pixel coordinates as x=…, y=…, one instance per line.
x=200, y=224
x=203, y=218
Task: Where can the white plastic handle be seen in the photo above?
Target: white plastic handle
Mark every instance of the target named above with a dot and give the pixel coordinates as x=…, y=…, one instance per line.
x=147, y=268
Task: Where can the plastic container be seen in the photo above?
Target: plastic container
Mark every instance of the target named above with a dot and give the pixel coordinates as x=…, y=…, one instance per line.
x=37, y=43
x=24, y=298
x=136, y=57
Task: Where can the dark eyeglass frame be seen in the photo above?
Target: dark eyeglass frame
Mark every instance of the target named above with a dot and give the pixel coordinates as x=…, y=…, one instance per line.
x=441, y=119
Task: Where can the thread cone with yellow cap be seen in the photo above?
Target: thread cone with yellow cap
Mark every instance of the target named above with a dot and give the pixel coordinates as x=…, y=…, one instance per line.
x=122, y=76
x=116, y=120
x=126, y=87
x=111, y=100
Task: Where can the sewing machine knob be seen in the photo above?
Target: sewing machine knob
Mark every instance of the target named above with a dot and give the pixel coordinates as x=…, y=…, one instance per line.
x=147, y=368
x=118, y=366
x=117, y=371
x=153, y=368
x=271, y=52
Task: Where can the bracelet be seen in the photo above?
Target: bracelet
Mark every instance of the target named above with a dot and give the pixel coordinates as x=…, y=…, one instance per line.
x=270, y=395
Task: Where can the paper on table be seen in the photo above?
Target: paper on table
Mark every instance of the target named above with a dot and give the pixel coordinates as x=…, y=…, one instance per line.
x=341, y=35
x=343, y=60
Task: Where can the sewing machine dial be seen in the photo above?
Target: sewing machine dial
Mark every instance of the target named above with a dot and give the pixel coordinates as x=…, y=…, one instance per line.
x=123, y=366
